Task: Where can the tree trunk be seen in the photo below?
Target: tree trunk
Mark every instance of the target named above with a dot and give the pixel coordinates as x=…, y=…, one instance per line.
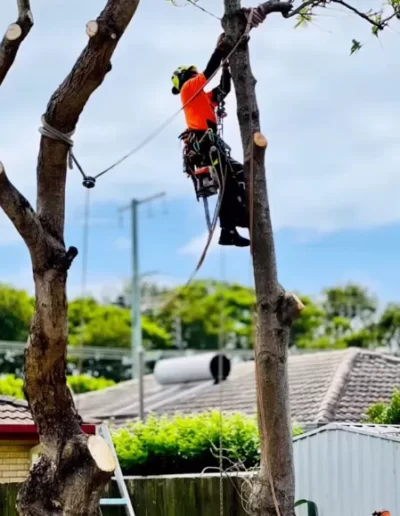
x=73, y=469
x=273, y=492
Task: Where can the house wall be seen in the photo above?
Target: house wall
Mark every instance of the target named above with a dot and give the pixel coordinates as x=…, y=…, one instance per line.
x=15, y=460
x=347, y=473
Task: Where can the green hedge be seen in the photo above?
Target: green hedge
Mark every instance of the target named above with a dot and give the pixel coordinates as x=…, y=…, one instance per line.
x=188, y=444
x=84, y=383
x=12, y=386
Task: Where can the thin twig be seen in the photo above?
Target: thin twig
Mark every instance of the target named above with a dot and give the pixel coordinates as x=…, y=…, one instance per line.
x=358, y=13
x=195, y=4
x=304, y=5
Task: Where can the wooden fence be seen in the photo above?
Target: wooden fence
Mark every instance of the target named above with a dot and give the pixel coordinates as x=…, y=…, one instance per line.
x=163, y=496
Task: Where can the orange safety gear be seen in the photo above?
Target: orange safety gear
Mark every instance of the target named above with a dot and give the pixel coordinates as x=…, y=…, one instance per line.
x=200, y=111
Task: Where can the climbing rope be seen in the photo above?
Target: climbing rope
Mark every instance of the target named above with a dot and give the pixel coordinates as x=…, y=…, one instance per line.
x=221, y=344
x=50, y=132
x=85, y=255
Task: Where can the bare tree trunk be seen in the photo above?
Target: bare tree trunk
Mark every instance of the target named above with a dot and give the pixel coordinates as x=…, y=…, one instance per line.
x=275, y=309
x=74, y=468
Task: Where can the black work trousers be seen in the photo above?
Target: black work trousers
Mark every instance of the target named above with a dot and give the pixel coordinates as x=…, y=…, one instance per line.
x=233, y=212
x=209, y=149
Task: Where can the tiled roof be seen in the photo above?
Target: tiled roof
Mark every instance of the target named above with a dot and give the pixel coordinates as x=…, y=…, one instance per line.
x=324, y=386
x=14, y=412
x=371, y=378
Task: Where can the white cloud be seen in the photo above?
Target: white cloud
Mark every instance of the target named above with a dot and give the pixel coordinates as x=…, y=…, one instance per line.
x=196, y=245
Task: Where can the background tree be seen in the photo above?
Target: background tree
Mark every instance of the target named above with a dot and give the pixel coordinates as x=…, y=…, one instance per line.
x=207, y=309
x=73, y=468
x=276, y=311
x=352, y=303
x=16, y=310
x=306, y=329
x=94, y=324
x=388, y=327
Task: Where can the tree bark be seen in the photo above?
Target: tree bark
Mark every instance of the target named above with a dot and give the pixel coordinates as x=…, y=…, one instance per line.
x=73, y=469
x=273, y=492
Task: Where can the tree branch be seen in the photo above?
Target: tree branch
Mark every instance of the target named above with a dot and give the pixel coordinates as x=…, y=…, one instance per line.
x=379, y=25
x=21, y=213
x=68, y=102
x=287, y=10
x=15, y=35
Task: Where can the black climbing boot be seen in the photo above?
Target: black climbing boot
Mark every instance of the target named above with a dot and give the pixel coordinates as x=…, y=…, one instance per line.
x=232, y=237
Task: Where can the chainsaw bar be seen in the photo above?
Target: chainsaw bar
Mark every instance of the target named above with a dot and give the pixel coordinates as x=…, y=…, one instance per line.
x=207, y=213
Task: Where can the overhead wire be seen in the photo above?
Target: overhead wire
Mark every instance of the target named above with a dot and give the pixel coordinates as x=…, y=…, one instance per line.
x=221, y=344
x=84, y=274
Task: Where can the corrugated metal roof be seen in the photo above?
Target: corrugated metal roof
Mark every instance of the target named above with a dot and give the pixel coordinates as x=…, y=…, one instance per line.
x=349, y=469
x=391, y=432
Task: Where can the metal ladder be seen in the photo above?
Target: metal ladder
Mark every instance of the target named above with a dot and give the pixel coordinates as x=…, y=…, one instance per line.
x=125, y=500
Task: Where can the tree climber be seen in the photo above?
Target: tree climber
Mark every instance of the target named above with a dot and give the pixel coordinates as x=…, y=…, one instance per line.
x=201, y=139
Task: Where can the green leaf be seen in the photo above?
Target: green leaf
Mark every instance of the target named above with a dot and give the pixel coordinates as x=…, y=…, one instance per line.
x=303, y=18
x=375, y=29
x=355, y=47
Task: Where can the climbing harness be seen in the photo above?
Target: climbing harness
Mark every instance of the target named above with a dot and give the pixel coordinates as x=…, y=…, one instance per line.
x=201, y=166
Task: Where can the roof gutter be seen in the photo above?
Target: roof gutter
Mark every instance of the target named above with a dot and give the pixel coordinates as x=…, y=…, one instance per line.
x=29, y=432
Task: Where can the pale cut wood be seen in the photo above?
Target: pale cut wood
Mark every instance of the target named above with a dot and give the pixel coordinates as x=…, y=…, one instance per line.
x=260, y=140
x=92, y=28
x=101, y=453
x=14, y=32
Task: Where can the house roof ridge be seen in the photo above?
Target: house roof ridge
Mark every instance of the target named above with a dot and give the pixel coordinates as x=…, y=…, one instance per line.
x=14, y=401
x=117, y=386
x=334, y=392
x=385, y=356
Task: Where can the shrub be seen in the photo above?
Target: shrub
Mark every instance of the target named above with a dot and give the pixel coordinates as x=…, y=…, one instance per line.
x=12, y=386
x=385, y=413
x=85, y=383
x=187, y=444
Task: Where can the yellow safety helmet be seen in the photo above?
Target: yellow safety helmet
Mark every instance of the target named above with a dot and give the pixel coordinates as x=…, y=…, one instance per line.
x=180, y=76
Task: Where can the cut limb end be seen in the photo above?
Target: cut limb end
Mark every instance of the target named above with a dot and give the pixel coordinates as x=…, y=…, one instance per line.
x=260, y=140
x=289, y=308
x=101, y=454
x=14, y=32
x=299, y=304
x=92, y=28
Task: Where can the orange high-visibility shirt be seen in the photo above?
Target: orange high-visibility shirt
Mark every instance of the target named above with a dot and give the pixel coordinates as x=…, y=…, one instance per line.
x=201, y=108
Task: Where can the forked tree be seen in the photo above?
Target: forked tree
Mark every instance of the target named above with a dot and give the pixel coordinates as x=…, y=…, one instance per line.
x=274, y=491
x=73, y=468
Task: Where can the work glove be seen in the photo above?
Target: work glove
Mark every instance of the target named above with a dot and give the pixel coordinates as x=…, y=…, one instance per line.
x=223, y=45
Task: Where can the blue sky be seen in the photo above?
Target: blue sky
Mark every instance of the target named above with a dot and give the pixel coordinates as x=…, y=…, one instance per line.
x=333, y=162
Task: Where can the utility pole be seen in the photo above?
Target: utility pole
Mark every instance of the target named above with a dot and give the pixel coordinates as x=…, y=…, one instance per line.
x=136, y=333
